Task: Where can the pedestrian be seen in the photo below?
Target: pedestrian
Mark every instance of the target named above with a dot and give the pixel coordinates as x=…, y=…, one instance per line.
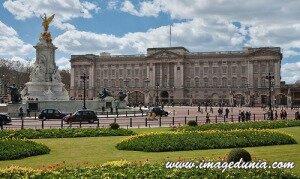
x=198, y=108
x=111, y=110
x=297, y=115
x=276, y=115
x=211, y=109
x=226, y=112
x=28, y=112
x=21, y=113
x=70, y=120
x=207, y=118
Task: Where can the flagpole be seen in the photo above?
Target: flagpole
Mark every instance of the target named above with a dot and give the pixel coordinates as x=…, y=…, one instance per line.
x=170, y=36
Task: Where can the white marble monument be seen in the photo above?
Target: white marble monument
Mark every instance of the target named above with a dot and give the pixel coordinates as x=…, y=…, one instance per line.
x=45, y=80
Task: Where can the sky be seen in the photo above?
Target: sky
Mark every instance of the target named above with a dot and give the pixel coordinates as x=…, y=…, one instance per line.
x=131, y=26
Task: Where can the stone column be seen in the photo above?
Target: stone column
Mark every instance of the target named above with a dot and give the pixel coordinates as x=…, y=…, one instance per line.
x=250, y=74
x=168, y=75
x=175, y=76
x=277, y=74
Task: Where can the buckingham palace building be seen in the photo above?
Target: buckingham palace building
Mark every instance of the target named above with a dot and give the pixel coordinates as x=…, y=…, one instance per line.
x=174, y=75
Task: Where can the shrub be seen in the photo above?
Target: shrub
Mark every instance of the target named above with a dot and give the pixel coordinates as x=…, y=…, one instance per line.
x=11, y=149
x=236, y=154
x=114, y=126
x=132, y=170
x=179, y=141
x=192, y=123
x=242, y=125
x=64, y=133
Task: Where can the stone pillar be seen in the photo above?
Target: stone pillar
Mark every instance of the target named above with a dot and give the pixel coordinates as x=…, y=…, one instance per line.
x=181, y=75
x=168, y=75
x=161, y=76
x=153, y=82
x=277, y=74
x=175, y=76
x=250, y=74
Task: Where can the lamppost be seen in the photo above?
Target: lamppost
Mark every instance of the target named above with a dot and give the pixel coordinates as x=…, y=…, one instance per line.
x=156, y=99
x=270, y=77
x=84, y=78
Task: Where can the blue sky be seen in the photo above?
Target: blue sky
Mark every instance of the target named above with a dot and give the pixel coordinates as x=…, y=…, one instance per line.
x=130, y=27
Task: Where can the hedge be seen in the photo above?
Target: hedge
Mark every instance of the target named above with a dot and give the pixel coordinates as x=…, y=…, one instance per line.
x=11, y=149
x=242, y=125
x=179, y=141
x=147, y=171
x=64, y=133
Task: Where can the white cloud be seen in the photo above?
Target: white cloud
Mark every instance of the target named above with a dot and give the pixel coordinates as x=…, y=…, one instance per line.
x=64, y=10
x=195, y=35
x=146, y=8
x=263, y=23
x=10, y=44
x=112, y=4
x=63, y=63
x=290, y=72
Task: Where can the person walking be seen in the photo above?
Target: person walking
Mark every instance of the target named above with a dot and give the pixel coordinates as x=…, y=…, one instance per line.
x=207, y=118
x=226, y=112
x=70, y=120
x=28, y=112
x=276, y=115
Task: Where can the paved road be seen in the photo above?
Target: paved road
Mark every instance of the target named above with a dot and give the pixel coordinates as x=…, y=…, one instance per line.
x=182, y=115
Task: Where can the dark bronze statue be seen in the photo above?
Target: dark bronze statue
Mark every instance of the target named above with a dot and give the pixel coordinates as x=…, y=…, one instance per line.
x=14, y=94
x=122, y=95
x=104, y=93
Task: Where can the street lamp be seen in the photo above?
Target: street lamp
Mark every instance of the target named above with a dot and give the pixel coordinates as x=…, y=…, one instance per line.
x=270, y=77
x=156, y=99
x=84, y=78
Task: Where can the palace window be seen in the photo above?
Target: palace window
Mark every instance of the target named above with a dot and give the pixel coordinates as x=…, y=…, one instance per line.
x=233, y=70
x=205, y=82
x=136, y=83
x=136, y=72
x=263, y=82
x=224, y=70
x=224, y=82
x=113, y=83
x=197, y=82
x=113, y=72
x=215, y=70
x=197, y=71
x=206, y=71
x=120, y=72
x=234, y=82
x=215, y=82
x=244, y=82
x=128, y=72
x=244, y=70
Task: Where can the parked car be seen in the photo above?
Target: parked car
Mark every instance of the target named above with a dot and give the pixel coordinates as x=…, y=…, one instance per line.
x=51, y=114
x=5, y=117
x=83, y=115
x=159, y=111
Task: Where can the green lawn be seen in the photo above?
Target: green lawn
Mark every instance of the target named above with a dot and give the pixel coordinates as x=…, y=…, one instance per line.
x=95, y=150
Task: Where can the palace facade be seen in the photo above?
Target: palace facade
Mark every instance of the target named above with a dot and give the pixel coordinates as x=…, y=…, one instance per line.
x=176, y=75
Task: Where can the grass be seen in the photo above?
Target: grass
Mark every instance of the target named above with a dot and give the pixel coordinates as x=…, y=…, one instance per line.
x=95, y=150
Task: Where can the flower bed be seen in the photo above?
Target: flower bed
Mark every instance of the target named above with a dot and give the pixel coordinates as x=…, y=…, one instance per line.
x=64, y=133
x=179, y=141
x=11, y=149
x=242, y=125
x=124, y=169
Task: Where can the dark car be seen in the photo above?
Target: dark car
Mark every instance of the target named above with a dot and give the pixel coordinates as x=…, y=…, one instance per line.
x=5, y=118
x=51, y=114
x=83, y=116
x=159, y=111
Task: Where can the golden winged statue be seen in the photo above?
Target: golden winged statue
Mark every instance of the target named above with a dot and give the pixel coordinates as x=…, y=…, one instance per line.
x=47, y=21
